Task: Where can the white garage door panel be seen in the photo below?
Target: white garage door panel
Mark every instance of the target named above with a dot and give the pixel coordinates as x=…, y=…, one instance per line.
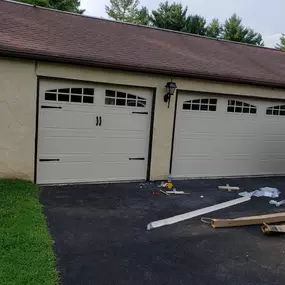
x=62, y=119
x=227, y=142
x=200, y=146
x=277, y=147
x=128, y=170
x=67, y=145
x=125, y=122
x=65, y=172
x=123, y=147
x=94, y=138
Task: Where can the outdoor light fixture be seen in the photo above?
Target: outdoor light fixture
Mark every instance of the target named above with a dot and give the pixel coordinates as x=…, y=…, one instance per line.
x=170, y=88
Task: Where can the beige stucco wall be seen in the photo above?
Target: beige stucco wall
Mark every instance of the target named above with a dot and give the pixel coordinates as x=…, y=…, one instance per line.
x=19, y=92
x=18, y=88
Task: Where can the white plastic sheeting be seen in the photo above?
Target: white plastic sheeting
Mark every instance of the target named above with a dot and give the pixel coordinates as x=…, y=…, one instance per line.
x=262, y=192
x=276, y=203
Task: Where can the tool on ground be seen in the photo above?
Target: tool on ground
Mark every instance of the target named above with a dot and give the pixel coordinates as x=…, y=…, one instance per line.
x=196, y=213
x=163, y=192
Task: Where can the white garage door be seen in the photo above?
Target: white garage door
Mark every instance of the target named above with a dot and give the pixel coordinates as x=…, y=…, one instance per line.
x=228, y=136
x=92, y=132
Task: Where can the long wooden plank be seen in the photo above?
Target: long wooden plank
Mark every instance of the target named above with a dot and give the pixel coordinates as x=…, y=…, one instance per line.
x=196, y=213
x=247, y=221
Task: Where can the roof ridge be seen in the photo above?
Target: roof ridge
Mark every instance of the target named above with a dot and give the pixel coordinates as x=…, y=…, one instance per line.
x=142, y=26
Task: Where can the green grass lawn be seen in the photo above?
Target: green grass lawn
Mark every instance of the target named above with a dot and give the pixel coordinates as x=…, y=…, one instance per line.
x=26, y=255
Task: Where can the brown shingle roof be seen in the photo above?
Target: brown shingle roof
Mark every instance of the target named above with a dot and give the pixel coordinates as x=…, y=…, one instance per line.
x=45, y=34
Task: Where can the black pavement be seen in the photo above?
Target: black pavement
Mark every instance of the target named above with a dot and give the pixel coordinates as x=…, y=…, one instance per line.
x=101, y=238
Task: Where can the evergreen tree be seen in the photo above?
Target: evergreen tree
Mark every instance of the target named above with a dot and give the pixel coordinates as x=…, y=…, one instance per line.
x=234, y=30
x=214, y=29
x=169, y=16
x=63, y=5
x=281, y=45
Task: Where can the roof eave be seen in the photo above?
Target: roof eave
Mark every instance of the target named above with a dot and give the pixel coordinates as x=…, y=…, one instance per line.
x=79, y=61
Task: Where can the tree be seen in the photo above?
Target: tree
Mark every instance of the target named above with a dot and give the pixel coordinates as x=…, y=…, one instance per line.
x=123, y=10
x=41, y=3
x=142, y=16
x=281, y=45
x=214, y=29
x=195, y=24
x=63, y=5
x=235, y=31
x=66, y=5
x=172, y=17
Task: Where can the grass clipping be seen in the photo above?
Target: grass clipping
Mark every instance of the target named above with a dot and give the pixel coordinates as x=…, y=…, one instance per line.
x=26, y=255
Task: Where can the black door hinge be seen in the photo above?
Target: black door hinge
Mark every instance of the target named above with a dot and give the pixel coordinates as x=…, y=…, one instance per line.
x=51, y=107
x=49, y=159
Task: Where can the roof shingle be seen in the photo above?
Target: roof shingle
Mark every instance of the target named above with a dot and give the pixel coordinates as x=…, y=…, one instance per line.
x=46, y=34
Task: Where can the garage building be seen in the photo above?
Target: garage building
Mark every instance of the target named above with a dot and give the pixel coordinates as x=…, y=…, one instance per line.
x=83, y=100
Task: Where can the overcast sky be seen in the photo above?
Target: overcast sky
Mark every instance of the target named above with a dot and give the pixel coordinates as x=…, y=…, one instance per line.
x=265, y=16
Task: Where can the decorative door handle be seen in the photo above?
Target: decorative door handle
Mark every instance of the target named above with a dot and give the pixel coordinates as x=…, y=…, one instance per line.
x=100, y=121
x=96, y=121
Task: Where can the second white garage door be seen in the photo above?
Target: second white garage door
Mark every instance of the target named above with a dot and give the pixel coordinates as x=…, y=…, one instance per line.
x=91, y=132
x=219, y=136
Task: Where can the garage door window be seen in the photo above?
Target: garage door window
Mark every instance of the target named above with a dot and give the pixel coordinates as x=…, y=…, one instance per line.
x=200, y=105
x=240, y=107
x=118, y=98
x=276, y=110
x=74, y=95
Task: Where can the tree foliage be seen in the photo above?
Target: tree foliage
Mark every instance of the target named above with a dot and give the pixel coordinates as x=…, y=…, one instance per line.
x=214, y=29
x=127, y=11
x=142, y=16
x=66, y=5
x=234, y=30
x=169, y=16
x=42, y=3
x=195, y=24
x=63, y=5
x=281, y=45
x=122, y=10
x=174, y=17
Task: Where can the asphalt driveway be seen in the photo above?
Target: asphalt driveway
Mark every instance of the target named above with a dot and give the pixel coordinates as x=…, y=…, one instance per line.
x=101, y=238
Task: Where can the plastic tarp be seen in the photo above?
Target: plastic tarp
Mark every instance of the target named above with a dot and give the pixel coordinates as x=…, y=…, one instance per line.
x=262, y=192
